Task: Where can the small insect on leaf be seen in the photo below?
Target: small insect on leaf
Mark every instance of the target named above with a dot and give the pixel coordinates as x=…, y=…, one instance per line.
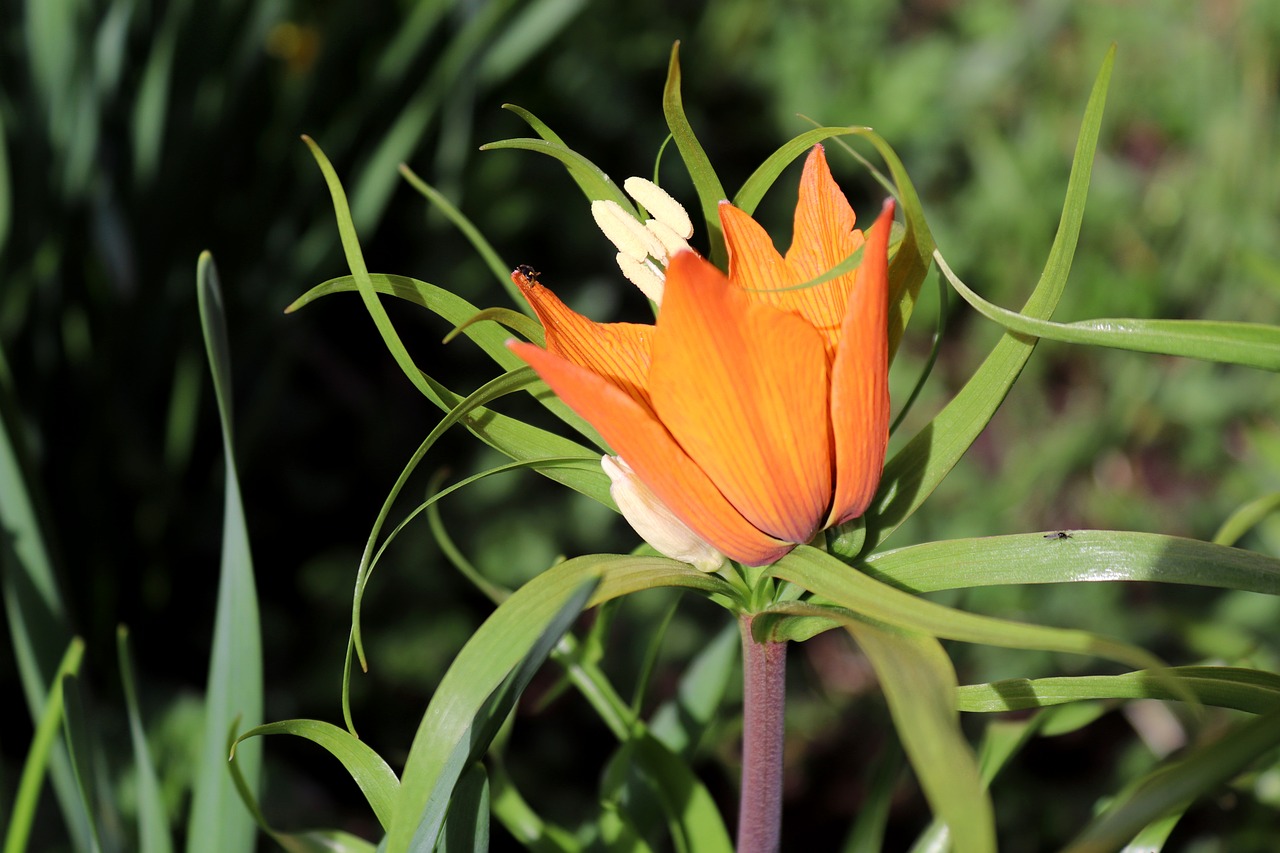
x=528, y=272
x=1058, y=534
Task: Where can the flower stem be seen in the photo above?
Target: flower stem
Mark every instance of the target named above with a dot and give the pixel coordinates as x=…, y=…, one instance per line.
x=764, y=679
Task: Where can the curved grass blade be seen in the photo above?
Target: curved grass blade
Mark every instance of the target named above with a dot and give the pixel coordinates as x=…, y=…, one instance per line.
x=488, y=334
x=913, y=473
x=1250, y=690
x=1169, y=787
x=448, y=729
x=539, y=126
x=513, y=320
x=500, y=268
x=524, y=824
x=1073, y=556
x=833, y=580
x=479, y=728
x=375, y=180
x=234, y=690
x=1248, y=344
x=371, y=774
x=307, y=841
x=589, y=177
x=919, y=684
x=710, y=190
x=153, y=824
x=34, y=608
x=43, y=744
x=1246, y=518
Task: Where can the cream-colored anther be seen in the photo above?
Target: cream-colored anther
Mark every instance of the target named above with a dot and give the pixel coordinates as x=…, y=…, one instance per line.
x=654, y=521
x=643, y=275
x=671, y=241
x=625, y=231
x=660, y=204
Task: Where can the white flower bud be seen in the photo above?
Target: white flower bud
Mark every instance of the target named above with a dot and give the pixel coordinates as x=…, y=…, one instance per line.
x=655, y=523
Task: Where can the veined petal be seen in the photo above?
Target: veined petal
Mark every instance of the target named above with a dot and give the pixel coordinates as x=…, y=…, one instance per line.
x=619, y=352
x=860, y=380
x=823, y=237
x=637, y=436
x=743, y=388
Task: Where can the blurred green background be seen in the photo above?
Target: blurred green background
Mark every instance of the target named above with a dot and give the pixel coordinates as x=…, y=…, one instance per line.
x=136, y=134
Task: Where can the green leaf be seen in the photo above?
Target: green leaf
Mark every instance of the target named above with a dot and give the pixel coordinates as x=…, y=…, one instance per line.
x=1169, y=787
x=646, y=773
x=1243, y=689
x=1246, y=518
x=919, y=684
x=153, y=822
x=835, y=581
x=500, y=268
x=81, y=742
x=371, y=774
x=234, y=689
x=467, y=828
x=681, y=722
x=1248, y=344
x=524, y=824
x=34, y=608
x=447, y=731
x=309, y=841
x=710, y=190
x=42, y=748
x=913, y=473
x=589, y=177
x=1083, y=555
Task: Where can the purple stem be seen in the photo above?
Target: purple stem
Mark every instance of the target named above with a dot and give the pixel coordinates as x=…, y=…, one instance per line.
x=764, y=679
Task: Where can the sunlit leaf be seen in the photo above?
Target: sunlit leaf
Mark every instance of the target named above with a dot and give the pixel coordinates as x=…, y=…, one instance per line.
x=710, y=190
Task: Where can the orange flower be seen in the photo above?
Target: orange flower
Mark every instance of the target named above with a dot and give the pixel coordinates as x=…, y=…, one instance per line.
x=757, y=415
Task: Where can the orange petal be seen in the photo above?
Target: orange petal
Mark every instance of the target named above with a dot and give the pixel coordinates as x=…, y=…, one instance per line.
x=823, y=237
x=620, y=352
x=860, y=380
x=657, y=460
x=743, y=388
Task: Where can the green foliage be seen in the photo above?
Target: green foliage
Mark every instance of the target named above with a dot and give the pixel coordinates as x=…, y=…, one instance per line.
x=131, y=133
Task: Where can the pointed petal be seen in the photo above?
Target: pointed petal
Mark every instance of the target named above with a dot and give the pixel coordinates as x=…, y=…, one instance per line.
x=619, y=352
x=743, y=388
x=823, y=237
x=634, y=434
x=860, y=380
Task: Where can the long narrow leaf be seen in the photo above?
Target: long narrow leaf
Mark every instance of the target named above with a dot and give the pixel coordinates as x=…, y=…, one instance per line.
x=1073, y=556
x=919, y=684
x=234, y=689
x=835, y=581
x=38, y=754
x=440, y=747
x=913, y=473
x=153, y=823
x=590, y=178
x=1248, y=344
x=1168, y=788
x=710, y=190
x=1249, y=690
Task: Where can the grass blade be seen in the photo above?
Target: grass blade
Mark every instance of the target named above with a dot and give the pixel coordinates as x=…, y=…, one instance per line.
x=153, y=824
x=710, y=190
x=234, y=692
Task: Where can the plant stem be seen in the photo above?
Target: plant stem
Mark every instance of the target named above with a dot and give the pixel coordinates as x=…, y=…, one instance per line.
x=764, y=676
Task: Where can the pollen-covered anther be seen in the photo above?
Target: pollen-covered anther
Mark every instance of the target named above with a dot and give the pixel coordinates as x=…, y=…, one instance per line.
x=625, y=231
x=661, y=205
x=644, y=275
x=671, y=241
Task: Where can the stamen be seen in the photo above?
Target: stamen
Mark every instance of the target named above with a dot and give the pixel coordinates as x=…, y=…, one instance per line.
x=624, y=231
x=643, y=275
x=660, y=204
